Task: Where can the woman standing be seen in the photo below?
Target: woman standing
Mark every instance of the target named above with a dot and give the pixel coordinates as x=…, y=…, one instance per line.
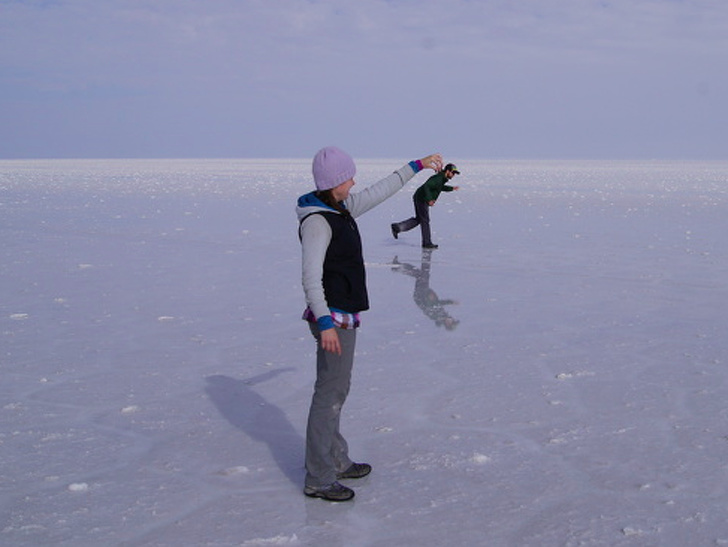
x=334, y=284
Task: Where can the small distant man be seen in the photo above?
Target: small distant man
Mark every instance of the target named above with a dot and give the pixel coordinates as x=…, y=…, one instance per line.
x=425, y=197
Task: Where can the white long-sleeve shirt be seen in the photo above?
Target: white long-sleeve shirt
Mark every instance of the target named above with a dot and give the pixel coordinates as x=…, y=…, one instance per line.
x=316, y=232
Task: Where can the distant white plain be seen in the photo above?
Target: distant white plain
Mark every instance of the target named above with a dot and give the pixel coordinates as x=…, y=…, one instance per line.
x=157, y=375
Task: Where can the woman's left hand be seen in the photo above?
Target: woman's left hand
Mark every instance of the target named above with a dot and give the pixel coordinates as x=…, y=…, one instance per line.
x=330, y=341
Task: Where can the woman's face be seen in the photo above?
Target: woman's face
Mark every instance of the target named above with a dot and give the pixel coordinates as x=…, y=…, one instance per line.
x=341, y=192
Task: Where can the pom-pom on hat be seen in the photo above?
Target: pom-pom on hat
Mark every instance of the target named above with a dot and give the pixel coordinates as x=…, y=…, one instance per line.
x=331, y=167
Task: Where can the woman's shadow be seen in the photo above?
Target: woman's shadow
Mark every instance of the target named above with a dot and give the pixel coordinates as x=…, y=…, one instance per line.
x=261, y=420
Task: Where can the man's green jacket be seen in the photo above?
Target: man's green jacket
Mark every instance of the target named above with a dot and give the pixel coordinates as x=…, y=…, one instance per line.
x=432, y=187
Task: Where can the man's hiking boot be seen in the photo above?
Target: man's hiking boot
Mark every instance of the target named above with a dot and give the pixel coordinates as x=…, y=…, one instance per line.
x=355, y=471
x=332, y=492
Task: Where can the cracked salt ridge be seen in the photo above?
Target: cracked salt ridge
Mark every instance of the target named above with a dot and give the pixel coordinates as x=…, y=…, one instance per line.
x=622, y=326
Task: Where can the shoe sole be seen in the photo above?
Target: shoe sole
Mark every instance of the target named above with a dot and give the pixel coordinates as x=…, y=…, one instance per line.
x=323, y=496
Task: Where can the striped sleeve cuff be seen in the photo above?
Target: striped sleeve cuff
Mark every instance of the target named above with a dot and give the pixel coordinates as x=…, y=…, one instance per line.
x=416, y=165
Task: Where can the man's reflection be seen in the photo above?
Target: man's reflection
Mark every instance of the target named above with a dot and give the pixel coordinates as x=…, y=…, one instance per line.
x=425, y=298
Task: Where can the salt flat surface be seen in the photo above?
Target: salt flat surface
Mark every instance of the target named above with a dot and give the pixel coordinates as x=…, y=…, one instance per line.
x=554, y=375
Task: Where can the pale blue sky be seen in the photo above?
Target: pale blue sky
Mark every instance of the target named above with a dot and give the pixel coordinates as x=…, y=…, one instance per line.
x=400, y=78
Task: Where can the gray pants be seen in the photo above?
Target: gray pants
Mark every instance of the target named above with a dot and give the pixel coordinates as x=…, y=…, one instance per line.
x=326, y=449
x=421, y=219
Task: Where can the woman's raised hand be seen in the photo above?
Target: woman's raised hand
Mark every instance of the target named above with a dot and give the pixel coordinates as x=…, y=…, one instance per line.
x=433, y=161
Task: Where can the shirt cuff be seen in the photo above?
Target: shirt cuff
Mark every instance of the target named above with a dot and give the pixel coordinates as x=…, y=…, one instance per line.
x=325, y=322
x=416, y=165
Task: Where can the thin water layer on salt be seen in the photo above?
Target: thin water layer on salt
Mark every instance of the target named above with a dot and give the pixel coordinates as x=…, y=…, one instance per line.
x=552, y=375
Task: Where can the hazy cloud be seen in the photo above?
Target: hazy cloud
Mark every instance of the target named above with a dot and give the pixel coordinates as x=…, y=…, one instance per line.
x=557, y=78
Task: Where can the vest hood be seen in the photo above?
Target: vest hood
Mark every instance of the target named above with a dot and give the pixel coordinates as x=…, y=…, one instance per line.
x=309, y=203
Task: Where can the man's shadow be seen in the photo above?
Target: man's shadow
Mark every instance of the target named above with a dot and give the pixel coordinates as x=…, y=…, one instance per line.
x=252, y=414
x=425, y=298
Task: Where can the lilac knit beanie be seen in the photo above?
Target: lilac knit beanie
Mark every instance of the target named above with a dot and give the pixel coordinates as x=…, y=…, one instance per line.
x=331, y=167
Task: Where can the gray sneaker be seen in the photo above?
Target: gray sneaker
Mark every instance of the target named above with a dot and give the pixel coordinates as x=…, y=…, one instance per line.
x=355, y=471
x=331, y=492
